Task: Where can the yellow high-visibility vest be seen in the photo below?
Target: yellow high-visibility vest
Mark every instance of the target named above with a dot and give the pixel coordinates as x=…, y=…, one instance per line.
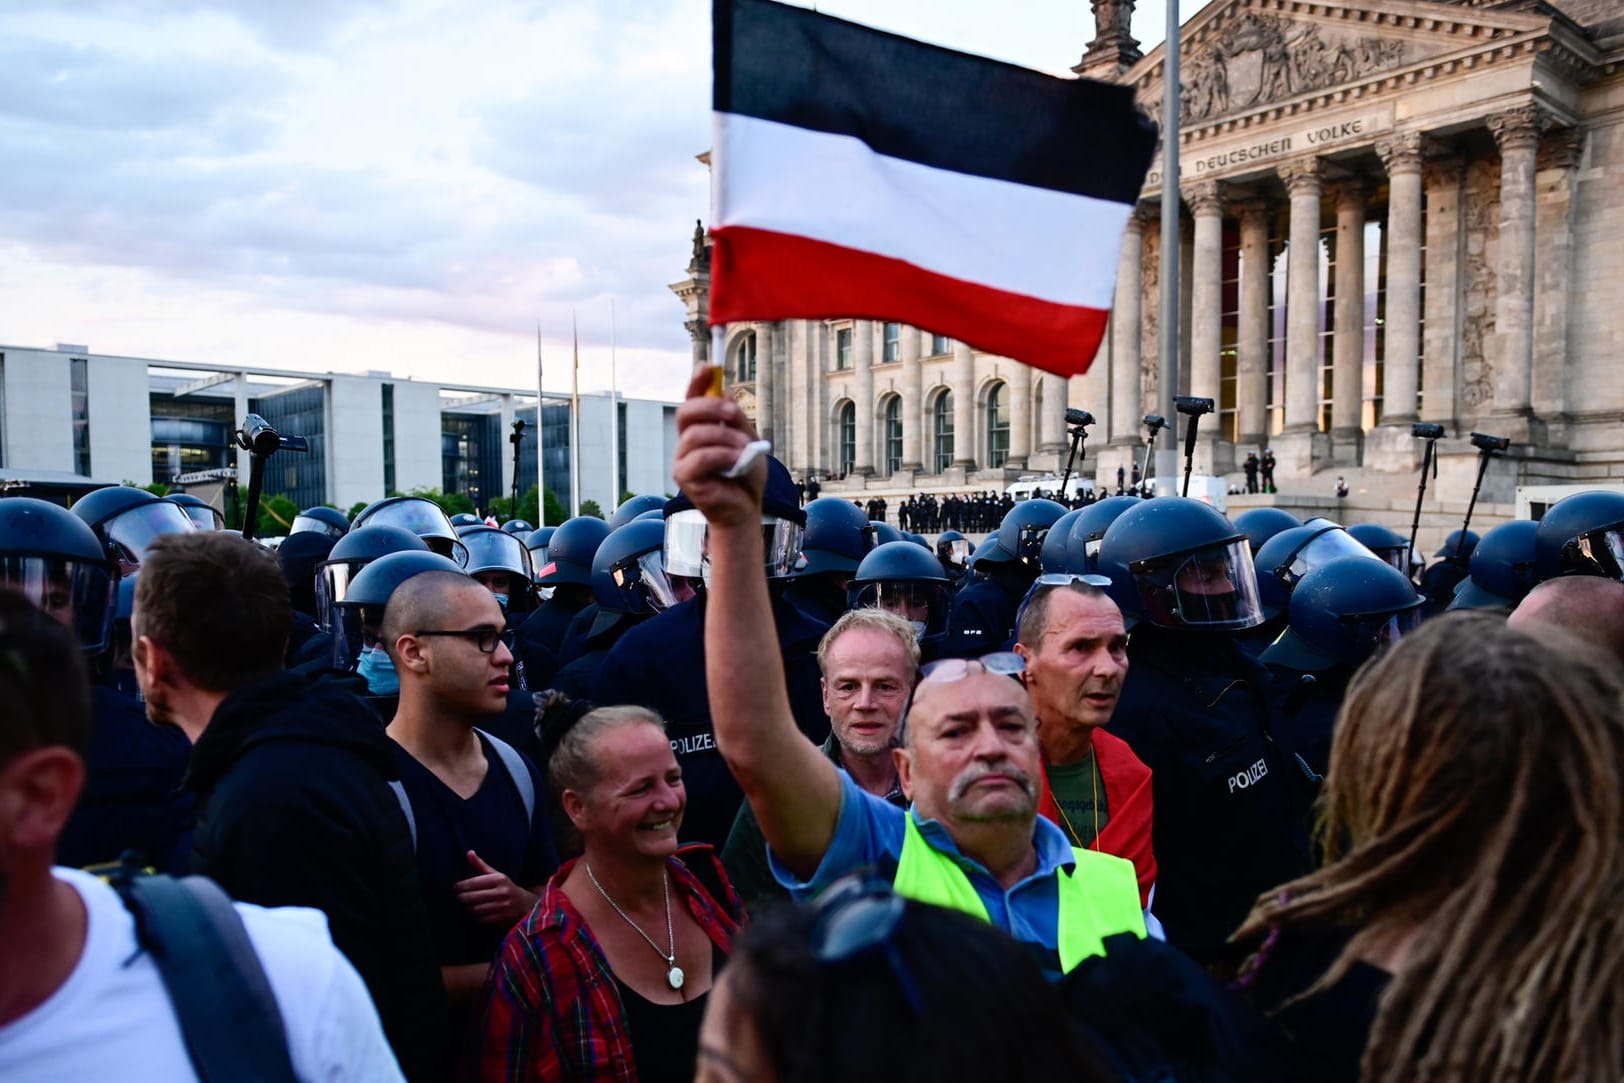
x=1098, y=898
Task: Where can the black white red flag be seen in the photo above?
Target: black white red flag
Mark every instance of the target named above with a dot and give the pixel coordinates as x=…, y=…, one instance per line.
x=857, y=173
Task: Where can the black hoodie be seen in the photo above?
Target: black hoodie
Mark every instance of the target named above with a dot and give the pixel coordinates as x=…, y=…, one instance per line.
x=294, y=809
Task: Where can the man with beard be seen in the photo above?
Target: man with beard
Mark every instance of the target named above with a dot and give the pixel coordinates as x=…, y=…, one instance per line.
x=869, y=660
x=969, y=761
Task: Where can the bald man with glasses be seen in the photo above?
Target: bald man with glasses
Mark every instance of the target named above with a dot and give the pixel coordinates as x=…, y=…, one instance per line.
x=476, y=806
x=969, y=763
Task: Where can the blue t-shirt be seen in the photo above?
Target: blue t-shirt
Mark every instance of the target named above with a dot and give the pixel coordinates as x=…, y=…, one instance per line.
x=492, y=824
x=869, y=833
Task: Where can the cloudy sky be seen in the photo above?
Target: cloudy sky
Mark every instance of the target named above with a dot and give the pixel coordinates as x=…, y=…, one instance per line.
x=406, y=185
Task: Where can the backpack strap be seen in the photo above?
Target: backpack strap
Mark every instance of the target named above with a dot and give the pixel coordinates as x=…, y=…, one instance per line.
x=513, y=760
x=399, y=789
x=227, y=1013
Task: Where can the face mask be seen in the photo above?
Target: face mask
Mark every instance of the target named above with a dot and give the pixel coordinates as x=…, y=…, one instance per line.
x=379, y=671
x=501, y=600
x=918, y=627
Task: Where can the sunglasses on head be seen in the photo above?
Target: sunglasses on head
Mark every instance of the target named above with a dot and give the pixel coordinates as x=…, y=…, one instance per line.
x=1004, y=663
x=858, y=915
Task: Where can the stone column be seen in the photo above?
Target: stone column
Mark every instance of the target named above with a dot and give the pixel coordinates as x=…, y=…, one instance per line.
x=1206, y=200
x=1441, y=343
x=1252, y=347
x=1558, y=161
x=963, y=384
x=1402, y=346
x=1348, y=333
x=1126, y=319
x=767, y=335
x=1052, y=427
x=863, y=364
x=1518, y=132
x=1296, y=455
x=913, y=393
x=1019, y=394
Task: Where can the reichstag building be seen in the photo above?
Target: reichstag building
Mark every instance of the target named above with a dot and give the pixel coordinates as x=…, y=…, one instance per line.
x=1393, y=211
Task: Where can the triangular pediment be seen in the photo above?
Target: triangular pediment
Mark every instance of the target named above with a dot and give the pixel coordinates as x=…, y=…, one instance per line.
x=1240, y=56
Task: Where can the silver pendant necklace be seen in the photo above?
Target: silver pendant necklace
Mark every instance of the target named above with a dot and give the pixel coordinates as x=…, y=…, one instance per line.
x=673, y=973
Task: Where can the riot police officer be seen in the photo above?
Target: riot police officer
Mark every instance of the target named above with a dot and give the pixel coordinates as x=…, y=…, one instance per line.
x=132, y=797
x=568, y=573
x=902, y=578
x=1230, y=803
x=836, y=539
x=1582, y=534
x=953, y=553
x=422, y=517
x=1452, y=564
x=202, y=514
x=629, y=585
x=1501, y=567
x=1341, y=613
x=500, y=562
x=127, y=520
x=322, y=520
x=983, y=617
x=1261, y=524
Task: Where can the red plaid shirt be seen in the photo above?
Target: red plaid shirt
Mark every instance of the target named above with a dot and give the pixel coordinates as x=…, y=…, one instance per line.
x=551, y=1007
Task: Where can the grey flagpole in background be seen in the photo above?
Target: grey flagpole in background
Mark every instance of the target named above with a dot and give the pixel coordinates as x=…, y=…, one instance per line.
x=1167, y=320
x=541, y=457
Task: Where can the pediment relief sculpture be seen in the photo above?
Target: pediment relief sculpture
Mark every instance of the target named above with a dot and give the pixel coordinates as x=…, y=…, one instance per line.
x=1258, y=59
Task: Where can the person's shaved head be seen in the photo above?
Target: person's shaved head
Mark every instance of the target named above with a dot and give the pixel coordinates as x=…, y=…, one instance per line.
x=1583, y=605
x=422, y=602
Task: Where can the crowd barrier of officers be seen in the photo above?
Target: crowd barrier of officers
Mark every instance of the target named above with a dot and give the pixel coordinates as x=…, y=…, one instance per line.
x=1245, y=635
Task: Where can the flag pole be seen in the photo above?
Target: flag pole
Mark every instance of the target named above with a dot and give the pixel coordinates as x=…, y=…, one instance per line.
x=614, y=416
x=575, y=422
x=1168, y=319
x=541, y=442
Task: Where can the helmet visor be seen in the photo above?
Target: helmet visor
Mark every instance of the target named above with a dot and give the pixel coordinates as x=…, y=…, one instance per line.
x=643, y=580
x=1212, y=588
x=425, y=519
x=309, y=524
x=958, y=552
x=686, y=550
x=133, y=530
x=1380, y=630
x=496, y=551
x=351, y=634
x=80, y=595
x=1322, y=549
x=204, y=518
x=332, y=583
x=1600, y=552
x=923, y=604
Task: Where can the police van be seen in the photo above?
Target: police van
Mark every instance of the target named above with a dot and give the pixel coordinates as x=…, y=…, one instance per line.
x=1049, y=484
x=1533, y=501
x=1203, y=487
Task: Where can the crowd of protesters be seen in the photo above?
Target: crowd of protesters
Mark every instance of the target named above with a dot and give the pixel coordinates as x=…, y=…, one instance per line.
x=737, y=787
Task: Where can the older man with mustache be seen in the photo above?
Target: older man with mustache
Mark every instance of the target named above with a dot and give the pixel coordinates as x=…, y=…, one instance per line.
x=969, y=763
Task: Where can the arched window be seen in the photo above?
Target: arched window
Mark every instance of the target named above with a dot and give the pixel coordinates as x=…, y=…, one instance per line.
x=893, y=434
x=998, y=425
x=744, y=358
x=942, y=430
x=846, y=436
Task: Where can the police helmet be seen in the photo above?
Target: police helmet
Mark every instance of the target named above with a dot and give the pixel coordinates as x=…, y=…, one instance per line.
x=837, y=537
x=632, y=507
x=516, y=526
x=988, y=554
x=1024, y=527
x=1342, y=612
x=1292, y=554
x=321, y=520
x=466, y=518
x=628, y=576
x=904, y=579
x=537, y=543
x=883, y=532
x=422, y=517
x=1178, y=563
x=493, y=552
x=917, y=539
x=570, y=551
x=1469, y=594
x=52, y=558
x=1453, y=542
x=1385, y=542
x=1261, y=524
x=1088, y=529
x=1503, y=562
x=1052, y=556
x=652, y=513
x=349, y=555
x=1582, y=534
x=953, y=548
x=128, y=520
x=198, y=510
x=782, y=521
x=357, y=619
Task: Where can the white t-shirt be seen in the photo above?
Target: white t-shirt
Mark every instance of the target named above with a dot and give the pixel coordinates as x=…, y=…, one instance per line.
x=112, y=1018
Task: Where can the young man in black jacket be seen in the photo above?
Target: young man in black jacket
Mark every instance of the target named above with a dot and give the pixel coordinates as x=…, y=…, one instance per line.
x=294, y=806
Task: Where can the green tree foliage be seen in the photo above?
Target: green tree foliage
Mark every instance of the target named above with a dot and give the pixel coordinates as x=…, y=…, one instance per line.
x=276, y=515
x=450, y=503
x=157, y=488
x=357, y=508
x=590, y=507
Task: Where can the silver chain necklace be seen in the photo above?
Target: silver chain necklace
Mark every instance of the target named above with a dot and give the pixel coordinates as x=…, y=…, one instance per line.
x=673, y=973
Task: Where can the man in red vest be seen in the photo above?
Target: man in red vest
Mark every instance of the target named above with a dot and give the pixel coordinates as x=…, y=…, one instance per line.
x=1076, y=649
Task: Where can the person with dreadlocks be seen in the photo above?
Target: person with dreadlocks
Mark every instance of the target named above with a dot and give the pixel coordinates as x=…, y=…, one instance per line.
x=1468, y=923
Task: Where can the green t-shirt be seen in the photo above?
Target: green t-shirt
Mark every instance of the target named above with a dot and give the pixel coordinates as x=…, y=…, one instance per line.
x=1079, y=793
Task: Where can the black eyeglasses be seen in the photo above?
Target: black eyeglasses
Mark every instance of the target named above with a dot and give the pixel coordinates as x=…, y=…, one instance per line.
x=485, y=639
x=857, y=915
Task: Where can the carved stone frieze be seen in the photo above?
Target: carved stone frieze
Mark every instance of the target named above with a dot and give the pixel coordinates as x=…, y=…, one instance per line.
x=1258, y=59
x=1480, y=221
x=1150, y=274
